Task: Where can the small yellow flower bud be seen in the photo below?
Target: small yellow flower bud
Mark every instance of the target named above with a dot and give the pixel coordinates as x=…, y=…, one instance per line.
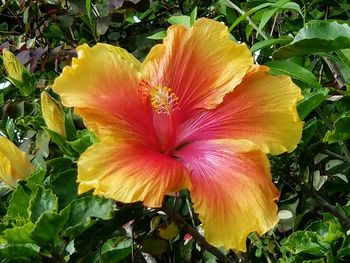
x=12, y=65
x=52, y=114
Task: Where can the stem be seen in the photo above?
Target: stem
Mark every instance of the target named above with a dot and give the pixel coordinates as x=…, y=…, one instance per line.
x=274, y=24
x=182, y=224
x=340, y=157
x=338, y=76
x=234, y=6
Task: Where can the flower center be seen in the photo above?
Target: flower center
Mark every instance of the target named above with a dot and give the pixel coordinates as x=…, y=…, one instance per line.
x=164, y=102
x=162, y=98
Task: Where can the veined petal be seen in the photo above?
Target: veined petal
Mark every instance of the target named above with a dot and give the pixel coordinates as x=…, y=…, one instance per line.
x=231, y=190
x=14, y=164
x=130, y=173
x=102, y=85
x=261, y=109
x=200, y=64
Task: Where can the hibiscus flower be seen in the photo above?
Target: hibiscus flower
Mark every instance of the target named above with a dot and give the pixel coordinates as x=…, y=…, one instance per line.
x=195, y=114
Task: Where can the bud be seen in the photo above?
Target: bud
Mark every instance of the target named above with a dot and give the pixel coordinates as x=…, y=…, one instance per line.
x=12, y=65
x=53, y=114
x=14, y=163
x=18, y=75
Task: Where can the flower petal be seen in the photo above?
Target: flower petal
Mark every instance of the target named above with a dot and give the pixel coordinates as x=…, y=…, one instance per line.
x=129, y=173
x=261, y=109
x=231, y=190
x=102, y=85
x=200, y=64
x=14, y=164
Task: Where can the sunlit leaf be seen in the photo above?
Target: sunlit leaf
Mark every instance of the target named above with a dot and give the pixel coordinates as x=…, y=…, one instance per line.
x=315, y=37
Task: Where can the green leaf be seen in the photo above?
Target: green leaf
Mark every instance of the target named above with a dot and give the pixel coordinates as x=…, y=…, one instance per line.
x=251, y=11
x=88, y=8
x=19, y=234
x=168, y=232
x=14, y=251
x=43, y=200
x=61, y=142
x=341, y=130
x=310, y=102
x=180, y=20
x=344, y=55
x=270, y=42
x=303, y=242
x=295, y=71
x=36, y=178
x=158, y=36
x=193, y=16
x=64, y=185
x=60, y=164
x=329, y=230
x=267, y=14
x=47, y=228
x=309, y=130
x=116, y=249
x=316, y=36
x=155, y=246
x=71, y=132
x=345, y=248
x=85, y=140
x=18, y=206
x=84, y=209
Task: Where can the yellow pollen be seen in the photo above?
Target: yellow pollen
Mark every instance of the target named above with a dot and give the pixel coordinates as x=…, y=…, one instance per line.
x=163, y=99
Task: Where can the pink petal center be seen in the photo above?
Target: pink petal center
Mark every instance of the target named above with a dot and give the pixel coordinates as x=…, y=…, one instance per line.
x=164, y=103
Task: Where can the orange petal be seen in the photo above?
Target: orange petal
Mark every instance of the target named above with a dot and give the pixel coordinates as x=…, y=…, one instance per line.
x=14, y=164
x=231, y=190
x=261, y=109
x=130, y=173
x=200, y=64
x=102, y=85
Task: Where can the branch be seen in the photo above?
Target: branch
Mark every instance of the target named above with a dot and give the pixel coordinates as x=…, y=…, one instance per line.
x=234, y=6
x=182, y=224
x=344, y=220
x=338, y=76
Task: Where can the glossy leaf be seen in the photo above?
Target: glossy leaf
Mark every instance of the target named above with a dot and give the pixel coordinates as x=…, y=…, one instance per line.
x=270, y=42
x=47, y=228
x=310, y=102
x=295, y=71
x=316, y=36
x=83, y=210
x=19, y=204
x=43, y=200
x=341, y=130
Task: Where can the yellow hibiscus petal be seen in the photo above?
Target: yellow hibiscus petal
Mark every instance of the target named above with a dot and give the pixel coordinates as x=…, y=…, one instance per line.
x=52, y=114
x=231, y=190
x=261, y=109
x=200, y=65
x=14, y=164
x=102, y=85
x=130, y=173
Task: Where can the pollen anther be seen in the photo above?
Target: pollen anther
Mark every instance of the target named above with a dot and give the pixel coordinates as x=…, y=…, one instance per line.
x=162, y=98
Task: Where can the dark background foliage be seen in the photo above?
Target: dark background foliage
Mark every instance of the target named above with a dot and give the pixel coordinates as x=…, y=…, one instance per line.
x=44, y=219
